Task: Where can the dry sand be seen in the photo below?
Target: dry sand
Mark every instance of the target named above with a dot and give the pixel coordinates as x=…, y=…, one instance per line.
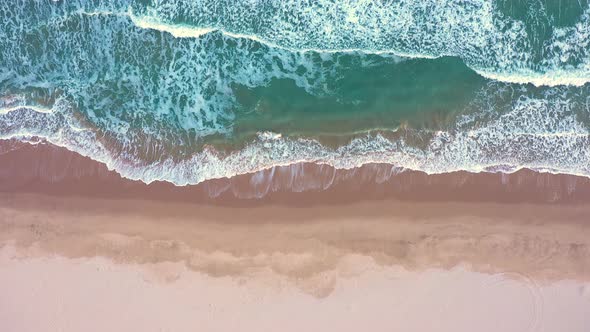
x=74, y=263
x=59, y=294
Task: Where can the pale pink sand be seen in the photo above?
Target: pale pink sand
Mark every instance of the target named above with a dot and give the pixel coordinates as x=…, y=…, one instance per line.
x=76, y=264
x=53, y=293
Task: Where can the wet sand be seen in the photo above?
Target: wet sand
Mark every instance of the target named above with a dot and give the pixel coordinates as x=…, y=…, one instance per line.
x=542, y=241
x=52, y=170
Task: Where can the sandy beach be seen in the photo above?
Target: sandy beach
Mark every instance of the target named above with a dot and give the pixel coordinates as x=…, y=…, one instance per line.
x=379, y=265
x=302, y=247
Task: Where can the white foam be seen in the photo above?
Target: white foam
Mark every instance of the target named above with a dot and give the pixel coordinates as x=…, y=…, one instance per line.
x=178, y=31
x=187, y=31
x=550, y=78
x=38, y=109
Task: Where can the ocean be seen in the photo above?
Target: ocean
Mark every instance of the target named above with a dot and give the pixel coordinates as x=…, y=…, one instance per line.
x=188, y=91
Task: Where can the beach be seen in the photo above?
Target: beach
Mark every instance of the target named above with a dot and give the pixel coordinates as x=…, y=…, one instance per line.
x=74, y=262
x=326, y=165
x=300, y=247
x=82, y=248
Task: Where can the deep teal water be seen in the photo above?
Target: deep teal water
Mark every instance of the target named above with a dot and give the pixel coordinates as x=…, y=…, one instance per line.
x=185, y=91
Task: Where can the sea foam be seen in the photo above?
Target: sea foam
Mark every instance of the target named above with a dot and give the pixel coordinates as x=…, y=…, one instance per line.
x=525, y=48
x=491, y=42
x=537, y=132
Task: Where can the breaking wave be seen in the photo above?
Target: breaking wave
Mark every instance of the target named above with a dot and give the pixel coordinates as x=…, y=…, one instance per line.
x=544, y=133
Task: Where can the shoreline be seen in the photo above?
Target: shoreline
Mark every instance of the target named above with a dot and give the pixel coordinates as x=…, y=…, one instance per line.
x=52, y=170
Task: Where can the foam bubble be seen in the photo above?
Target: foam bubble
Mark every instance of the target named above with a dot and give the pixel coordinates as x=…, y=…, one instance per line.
x=178, y=31
x=33, y=108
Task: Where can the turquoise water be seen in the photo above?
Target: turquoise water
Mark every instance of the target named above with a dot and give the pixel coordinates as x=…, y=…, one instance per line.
x=185, y=91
